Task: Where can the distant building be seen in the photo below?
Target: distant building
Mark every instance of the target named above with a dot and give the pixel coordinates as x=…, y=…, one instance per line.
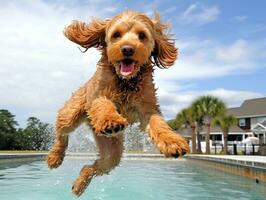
x=251, y=117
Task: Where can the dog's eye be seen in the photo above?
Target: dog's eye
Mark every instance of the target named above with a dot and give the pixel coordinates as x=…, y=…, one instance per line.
x=116, y=35
x=142, y=36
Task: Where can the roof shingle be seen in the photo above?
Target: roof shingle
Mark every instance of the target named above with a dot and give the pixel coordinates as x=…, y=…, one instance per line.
x=250, y=108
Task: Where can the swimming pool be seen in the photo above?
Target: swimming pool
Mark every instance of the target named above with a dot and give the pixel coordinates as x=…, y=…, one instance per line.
x=134, y=179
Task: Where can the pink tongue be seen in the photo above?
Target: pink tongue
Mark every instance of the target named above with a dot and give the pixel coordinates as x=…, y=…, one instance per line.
x=127, y=69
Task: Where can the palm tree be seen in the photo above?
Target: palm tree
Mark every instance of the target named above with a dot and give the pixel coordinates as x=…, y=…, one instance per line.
x=173, y=124
x=185, y=117
x=199, y=125
x=208, y=107
x=225, y=122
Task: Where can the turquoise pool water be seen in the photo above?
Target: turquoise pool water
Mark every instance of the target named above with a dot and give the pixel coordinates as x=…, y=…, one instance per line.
x=133, y=180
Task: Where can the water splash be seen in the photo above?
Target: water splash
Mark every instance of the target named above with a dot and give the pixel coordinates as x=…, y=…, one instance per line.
x=135, y=140
x=81, y=140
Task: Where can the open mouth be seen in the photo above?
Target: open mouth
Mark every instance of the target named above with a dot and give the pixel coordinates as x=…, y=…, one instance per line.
x=127, y=67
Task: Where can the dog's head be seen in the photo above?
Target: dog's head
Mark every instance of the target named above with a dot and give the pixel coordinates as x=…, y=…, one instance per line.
x=130, y=40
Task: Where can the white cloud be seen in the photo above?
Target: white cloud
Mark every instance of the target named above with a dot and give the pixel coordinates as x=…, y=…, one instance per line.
x=209, y=59
x=240, y=18
x=203, y=59
x=257, y=28
x=40, y=68
x=169, y=10
x=239, y=50
x=173, y=102
x=199, y=15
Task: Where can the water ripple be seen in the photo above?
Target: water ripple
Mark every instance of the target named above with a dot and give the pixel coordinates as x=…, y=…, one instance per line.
x=141, y=180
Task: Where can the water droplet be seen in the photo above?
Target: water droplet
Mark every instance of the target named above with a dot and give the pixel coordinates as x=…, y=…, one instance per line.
x=57, y=182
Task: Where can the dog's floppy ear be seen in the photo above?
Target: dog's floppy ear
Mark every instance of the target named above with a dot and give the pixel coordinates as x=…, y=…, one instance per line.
x=165, y=52
x=87, y=35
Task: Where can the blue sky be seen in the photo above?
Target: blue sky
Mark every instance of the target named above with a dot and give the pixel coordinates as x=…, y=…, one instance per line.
x=222, y=47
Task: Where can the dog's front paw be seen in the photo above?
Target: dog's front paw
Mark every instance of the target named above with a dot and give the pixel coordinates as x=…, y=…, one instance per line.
x=172, y=145
x=113, y=129
x=55, y=157
x=110, y=126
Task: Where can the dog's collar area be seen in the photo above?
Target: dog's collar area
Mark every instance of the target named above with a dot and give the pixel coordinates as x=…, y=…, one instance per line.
x=130, y=85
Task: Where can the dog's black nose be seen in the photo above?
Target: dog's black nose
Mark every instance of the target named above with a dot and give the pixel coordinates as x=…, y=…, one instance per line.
x=127, y=50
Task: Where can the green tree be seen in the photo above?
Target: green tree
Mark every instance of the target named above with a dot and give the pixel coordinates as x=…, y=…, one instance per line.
x=173, y=124
x=199, y=127
x=207, y=108
x=225, y=122
x=7, y=129
x=188, y=119
x=19, y=140
x=36, y=136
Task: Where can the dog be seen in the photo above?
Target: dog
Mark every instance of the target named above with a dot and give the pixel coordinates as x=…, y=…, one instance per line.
x=120, y=92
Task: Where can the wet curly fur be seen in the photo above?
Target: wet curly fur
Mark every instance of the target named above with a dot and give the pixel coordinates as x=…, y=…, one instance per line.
x=120, y=92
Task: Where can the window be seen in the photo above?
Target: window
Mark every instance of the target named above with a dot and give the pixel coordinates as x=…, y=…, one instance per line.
x=202, y=137
x=216, y=137
x=235, y=137
x=242, y=122
x=239, y=138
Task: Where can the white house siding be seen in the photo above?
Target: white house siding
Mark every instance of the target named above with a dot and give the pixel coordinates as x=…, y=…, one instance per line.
x=253, y=122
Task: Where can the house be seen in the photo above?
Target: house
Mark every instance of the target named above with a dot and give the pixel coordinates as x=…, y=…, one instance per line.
x=236, y=135
x=251, y=117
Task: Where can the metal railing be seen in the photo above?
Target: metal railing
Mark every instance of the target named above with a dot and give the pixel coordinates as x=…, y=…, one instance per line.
x=240, y=149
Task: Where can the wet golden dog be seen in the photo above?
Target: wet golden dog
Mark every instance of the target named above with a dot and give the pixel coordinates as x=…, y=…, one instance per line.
x=120, y=92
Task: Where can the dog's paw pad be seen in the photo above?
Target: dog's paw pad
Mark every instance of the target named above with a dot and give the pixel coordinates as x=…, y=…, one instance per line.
x=109, y=130
x=176, y=155
x=173, y=145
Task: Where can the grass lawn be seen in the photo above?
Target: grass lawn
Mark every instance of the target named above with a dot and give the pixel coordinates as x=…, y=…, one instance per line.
x=23, y=151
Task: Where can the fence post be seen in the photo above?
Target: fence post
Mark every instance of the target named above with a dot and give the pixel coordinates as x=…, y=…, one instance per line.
x=253, y=149
x=245, y=149
x=235, y=149
x=215, y=150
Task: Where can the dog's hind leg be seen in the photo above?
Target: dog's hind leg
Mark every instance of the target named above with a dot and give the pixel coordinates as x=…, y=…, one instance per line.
x=110, y=149
x=68, y=118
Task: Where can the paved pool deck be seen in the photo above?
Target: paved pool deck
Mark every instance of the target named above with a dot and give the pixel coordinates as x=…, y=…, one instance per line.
x=245, y=161
x=252, y=161
x=253, y=167
x=8, y=157
x=15, y=154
